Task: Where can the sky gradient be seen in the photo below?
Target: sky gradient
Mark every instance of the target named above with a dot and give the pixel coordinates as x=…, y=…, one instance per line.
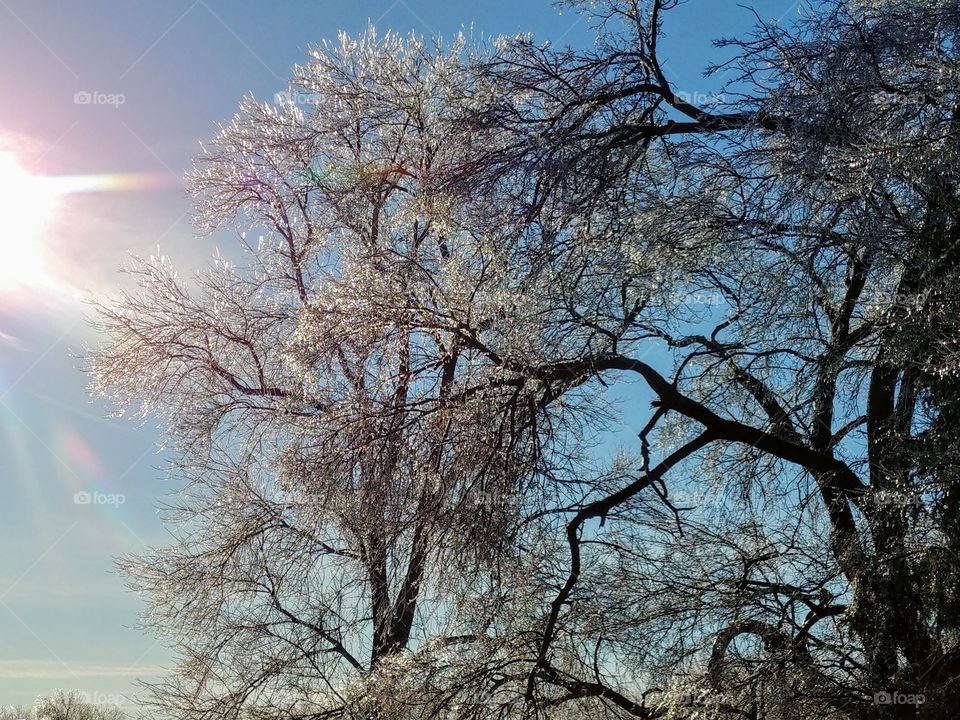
x=131, y=87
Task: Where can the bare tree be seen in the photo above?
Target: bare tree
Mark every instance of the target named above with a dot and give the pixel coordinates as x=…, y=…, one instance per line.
x=397, y=423
x=63, y=705
x=331, y=491
x=820, y=210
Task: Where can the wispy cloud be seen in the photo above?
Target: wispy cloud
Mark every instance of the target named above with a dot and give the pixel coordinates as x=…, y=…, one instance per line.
x=12, y=341
x=50, y=670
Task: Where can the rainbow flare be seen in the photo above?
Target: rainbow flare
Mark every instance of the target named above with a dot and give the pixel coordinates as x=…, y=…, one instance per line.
x=117, y=182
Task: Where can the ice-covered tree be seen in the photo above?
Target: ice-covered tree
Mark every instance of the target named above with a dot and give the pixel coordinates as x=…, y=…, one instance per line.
x=399, y=421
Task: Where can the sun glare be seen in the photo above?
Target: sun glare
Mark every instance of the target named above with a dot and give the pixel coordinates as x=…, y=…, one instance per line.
x=26, y=203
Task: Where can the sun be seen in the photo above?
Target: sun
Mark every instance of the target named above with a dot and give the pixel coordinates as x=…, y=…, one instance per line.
x=26, y=204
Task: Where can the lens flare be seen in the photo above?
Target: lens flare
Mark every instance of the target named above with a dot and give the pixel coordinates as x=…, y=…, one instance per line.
x=27, y=205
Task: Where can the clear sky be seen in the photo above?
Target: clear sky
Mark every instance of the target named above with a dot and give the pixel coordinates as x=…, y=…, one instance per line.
x=105, y=87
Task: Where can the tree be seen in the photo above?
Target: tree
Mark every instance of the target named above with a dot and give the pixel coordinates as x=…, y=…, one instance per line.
x=403, y=499
x=307, y=399
x=14, y=712
x=63, y=705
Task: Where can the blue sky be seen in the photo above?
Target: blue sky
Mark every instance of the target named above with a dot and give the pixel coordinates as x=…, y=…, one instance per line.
x=179, y=66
